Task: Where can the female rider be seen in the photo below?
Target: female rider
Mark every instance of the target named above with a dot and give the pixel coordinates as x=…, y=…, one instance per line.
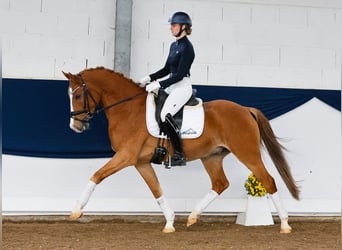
x=177, y=85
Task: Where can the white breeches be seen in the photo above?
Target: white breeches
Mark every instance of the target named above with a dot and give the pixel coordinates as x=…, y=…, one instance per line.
x=179, y=94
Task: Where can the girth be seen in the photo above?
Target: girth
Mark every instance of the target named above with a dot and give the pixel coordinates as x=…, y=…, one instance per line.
x=178, y=117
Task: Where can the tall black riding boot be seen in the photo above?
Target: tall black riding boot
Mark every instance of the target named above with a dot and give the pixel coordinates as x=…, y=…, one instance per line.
x=172, y=130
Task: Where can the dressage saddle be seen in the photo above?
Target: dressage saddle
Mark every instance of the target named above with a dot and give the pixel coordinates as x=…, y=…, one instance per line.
x=178, y=117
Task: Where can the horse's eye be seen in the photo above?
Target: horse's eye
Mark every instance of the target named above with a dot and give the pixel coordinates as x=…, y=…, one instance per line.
x=77, y=97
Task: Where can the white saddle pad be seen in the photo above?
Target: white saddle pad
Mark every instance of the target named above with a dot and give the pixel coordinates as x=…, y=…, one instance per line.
x=193, y=119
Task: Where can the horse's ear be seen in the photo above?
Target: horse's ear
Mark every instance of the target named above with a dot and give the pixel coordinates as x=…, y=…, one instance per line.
x=67, y=75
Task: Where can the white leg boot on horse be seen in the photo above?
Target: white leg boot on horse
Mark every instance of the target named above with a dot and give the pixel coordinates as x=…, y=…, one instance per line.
x=119, y=161
x=149, y=175
x=168, y=214
x=213, y=166
x=82, y=201
x=268, y=182
x=203, y=204
x=282, y=213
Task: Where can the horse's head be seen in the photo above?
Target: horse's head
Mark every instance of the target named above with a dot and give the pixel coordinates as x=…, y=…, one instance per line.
x=81, y=103
x=84, y=102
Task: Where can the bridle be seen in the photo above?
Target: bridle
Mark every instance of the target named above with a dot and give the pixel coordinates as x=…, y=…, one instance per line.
x=86, y=104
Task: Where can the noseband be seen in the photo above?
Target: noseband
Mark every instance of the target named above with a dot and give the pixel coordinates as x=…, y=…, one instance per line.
x=86, y=104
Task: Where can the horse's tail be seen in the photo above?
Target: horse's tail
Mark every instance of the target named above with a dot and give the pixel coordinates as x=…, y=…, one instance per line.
x=275, y=149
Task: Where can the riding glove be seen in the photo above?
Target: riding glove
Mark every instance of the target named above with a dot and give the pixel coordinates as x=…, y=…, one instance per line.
x=144, y=81
x=152, y=86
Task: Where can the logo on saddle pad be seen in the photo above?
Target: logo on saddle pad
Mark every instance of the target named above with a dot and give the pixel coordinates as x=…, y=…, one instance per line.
x=192, y=124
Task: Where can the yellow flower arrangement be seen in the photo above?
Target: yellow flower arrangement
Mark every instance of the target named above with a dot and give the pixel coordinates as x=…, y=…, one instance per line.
x=254, y=187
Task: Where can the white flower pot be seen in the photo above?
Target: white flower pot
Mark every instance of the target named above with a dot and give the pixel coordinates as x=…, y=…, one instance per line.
x=258, y=212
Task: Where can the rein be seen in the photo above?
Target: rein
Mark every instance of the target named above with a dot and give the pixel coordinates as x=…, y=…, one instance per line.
x=118, y=102
x=86, y=107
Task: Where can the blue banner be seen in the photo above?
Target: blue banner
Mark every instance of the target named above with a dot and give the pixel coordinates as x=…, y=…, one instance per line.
x=36, y=115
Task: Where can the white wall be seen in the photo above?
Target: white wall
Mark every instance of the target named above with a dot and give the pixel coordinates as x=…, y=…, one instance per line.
x=283, y=43
x=40, y=38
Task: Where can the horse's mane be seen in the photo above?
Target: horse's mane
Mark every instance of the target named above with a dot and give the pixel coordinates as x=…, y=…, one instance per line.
x=110, y=71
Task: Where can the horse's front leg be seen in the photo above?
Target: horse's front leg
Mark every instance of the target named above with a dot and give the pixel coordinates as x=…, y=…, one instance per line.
x=82, y=201
x=118, y=162
x=151, y=179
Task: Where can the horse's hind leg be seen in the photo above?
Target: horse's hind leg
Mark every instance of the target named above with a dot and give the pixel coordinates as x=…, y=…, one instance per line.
x=267, y=180
x=252, y=159
x=219, y=182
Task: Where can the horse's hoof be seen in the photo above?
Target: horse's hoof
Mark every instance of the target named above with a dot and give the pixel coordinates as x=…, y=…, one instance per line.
x=75, y=215
x=285, y=230
x=191, y=221
x=285, y=227
x=169, y=230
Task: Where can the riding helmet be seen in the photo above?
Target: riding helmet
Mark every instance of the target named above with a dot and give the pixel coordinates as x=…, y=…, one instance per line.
x=180, y=18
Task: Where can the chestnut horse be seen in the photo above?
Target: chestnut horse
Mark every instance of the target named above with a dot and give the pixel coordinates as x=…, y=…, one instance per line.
x=228, y=128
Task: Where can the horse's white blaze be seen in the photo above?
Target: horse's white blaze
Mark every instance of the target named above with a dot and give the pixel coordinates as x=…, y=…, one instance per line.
x=71, y=124
x=72, y=121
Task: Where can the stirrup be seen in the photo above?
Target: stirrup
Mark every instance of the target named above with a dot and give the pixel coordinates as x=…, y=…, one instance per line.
x=159, y=155
x=178, y=159
x=159, y=152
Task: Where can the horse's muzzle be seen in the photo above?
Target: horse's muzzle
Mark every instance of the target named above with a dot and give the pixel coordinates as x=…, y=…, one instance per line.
x=79, y=126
